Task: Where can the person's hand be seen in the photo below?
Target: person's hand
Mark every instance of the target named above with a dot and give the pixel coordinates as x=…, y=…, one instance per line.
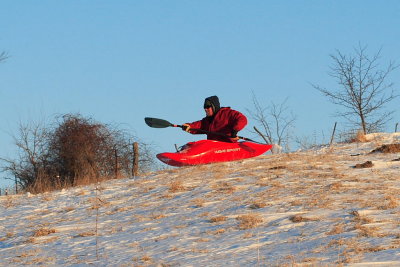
x=186, y=127
x=234, y=137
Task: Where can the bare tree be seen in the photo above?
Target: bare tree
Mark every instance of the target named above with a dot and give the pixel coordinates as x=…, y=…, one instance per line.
x=3, y=56
x=32, y=163
x=363, y=90
x=275, y=120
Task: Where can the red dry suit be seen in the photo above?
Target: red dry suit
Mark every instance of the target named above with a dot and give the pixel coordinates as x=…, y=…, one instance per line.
x=226, y=121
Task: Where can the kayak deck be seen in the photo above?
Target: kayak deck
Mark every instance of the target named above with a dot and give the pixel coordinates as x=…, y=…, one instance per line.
x=210, y=151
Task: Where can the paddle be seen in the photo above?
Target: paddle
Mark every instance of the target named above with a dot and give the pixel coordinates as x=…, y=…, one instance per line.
x=159, y=123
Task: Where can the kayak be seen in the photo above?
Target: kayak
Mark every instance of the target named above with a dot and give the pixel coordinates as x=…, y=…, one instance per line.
x=211, y=151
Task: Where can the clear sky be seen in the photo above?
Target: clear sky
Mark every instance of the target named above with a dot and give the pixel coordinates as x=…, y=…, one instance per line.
x=120, y=61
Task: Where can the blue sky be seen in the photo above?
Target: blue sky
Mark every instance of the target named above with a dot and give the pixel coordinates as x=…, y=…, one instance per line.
x=120, y=61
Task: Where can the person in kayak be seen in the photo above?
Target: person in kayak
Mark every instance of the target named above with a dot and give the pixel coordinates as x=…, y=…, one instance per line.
x=223, y=120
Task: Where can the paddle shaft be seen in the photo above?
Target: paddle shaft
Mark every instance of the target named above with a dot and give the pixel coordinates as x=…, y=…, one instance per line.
x=159, y=123
x=215, y=133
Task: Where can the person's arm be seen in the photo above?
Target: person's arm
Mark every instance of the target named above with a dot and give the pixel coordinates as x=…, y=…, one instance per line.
x=188, y=127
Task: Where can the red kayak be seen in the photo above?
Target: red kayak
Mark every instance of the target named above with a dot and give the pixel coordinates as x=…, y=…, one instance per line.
x=210, y=151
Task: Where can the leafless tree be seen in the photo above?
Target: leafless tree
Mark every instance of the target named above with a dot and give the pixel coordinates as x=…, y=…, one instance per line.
x=3, y=56
x=275, y=120
x=32, y=163
x=363, y=89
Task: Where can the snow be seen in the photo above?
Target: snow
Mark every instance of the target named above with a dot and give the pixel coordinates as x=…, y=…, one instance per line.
x=307, y=208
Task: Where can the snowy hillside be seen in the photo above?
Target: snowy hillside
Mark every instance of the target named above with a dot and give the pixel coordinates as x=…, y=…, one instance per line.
x=307, y=208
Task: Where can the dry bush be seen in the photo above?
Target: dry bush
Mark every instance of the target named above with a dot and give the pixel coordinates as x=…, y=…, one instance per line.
x=249, y=221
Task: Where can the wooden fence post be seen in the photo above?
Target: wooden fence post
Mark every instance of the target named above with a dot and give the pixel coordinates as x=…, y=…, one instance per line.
x=333, y=133
x=16, y=186
x=395, y=128
x=135, y=163
x=116, y=162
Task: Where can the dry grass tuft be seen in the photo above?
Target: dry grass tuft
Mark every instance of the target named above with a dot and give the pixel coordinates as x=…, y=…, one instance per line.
x=198, y=202
x=258, y=205
x=298, y=218
x=337, y=229
x=367, y=164
x=176, y=186
x=225, y=187
x=86, y=234
x=359, y=138
x=43, y=232
x=391, y=148
x=249, y=221
x=218, y=219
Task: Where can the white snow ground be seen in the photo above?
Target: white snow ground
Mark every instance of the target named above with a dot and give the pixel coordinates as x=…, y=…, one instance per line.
x=309, y=208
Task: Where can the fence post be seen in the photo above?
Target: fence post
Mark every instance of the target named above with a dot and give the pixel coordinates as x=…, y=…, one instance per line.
x=0, y=192
x=116, y=162
x=135, y=163
x=16, y=186
x=395, y=128
x=333, y=134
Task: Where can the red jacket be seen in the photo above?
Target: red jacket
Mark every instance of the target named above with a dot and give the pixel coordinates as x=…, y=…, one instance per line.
x=225, y=121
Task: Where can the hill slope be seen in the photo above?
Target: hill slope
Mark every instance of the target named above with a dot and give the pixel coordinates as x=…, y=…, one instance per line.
x=305, y=208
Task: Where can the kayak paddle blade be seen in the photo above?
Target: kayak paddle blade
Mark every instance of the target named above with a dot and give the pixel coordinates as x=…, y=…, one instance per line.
x=157, y=123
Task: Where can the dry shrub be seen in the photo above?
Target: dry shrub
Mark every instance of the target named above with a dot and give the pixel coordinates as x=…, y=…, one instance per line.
x=249, y=221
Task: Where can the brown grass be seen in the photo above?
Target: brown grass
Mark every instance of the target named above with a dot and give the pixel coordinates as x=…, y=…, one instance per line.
x=218, y=219
x=337, y=229
x=176, y=186
x=225, y=188
x=258, y=205
x=43, y=232
x=390, y=148
x=249, y=221
x=367, y=164
x=199, y=202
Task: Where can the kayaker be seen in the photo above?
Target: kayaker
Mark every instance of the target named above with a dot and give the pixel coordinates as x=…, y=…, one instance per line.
x=223, y=120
